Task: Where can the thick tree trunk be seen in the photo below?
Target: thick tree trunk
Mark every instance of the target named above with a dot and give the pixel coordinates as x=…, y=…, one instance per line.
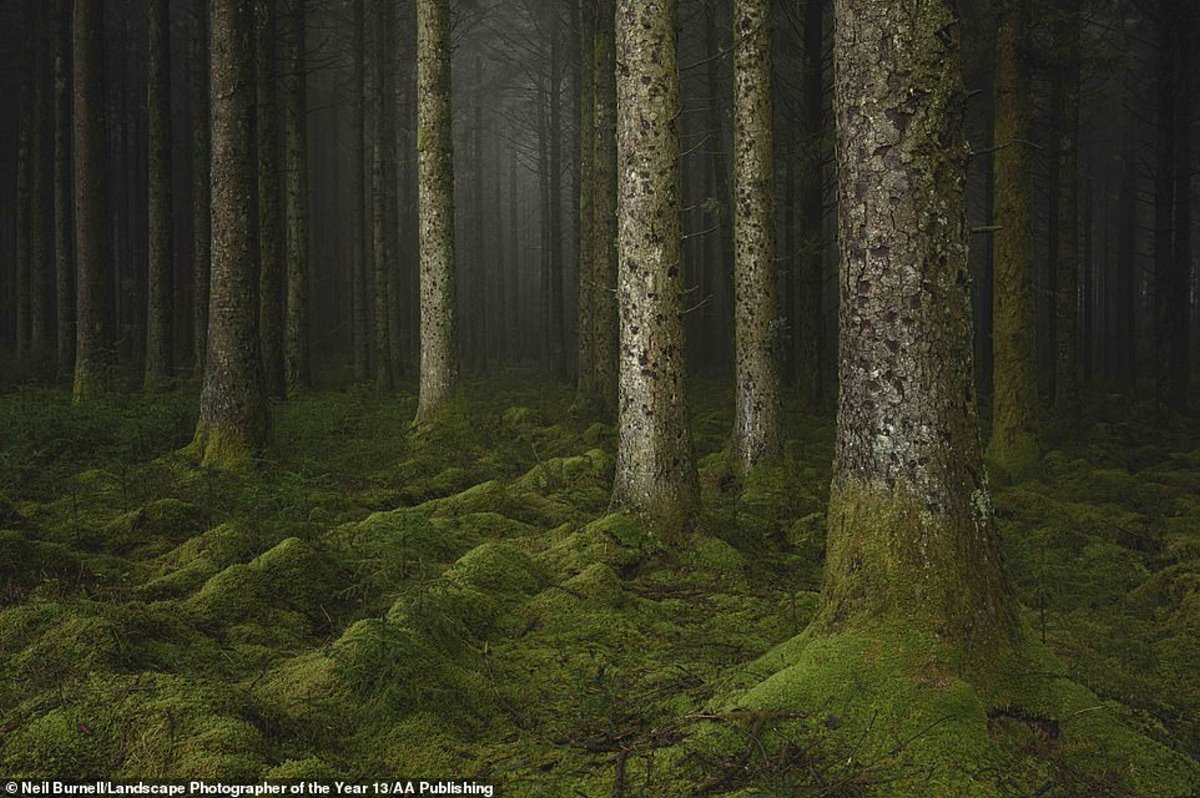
x=586, y=377
x=270, y=214
x=95, y=332
x=656, y=473
x=295, y=121
x=756, y=433
x=381, y=252
x=358, y=270
x=557, y=332
x=911, y=534
x=201, y=184
x=1066, y=293
x=160, y=293
x=64, y=253
x=233, y=413
x=1013, y=446
x=439, y=363
x=604, y=315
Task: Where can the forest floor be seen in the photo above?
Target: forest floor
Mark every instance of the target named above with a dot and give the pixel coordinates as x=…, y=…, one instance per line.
x=371, y=604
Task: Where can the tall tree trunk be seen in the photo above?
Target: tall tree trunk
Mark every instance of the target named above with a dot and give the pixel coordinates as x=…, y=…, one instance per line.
x=586, y=378
x=656, y=473
x=358, y=272
x=232, y=426
x=160, y=342
x=480, y=273
x=1066, y=294
x=295, y=122
x=95, y=332
x=1124, y=293
x=558, y=360
x=512, y=298
x=757, y=437
x=25, y=222
x=811, y=326
x=64, y=255
x=439, y=364
x=1013, y=446
x=41, y=208
x=605, y=316
x=722, y=199
x=270, y=215
x=911, y=533
x=201, y=184
x=382, y=254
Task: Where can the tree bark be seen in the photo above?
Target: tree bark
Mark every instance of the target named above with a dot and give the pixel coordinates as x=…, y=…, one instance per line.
x=270, y=215
x=911, y=534
x=1013, y=445
x=605, y=316
x=95, y=332
x=811, y=324
x=381, y=251
x=232, y=426
x=160, y=293
x=439, y=364
x=201, y=185
x=1066, y=294
x=358, y=270
x=24, y=214
x=586, y=378
x=656, y=473
x=64, y=255
x=295, y=121
x=756, y=433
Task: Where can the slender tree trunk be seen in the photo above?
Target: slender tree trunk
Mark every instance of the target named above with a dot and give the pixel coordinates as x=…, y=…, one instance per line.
x=295, y=121
x=358, y=272
x=201, y=184
x=656, y=473
x=1125, y=292
x=605, y=316
x=911, y=533
x=558, y=360
x=64, y=255
x=270, y=214
x=723, y=198
x=382, y=254
x=586, y=378
x=811, y=326
x=1178, y=365
x=757, y=437
x=480, y=273
x=1013, y=446
x=1066, y=295
x=25, y=223
x=41, y=209
x=233, y=413
x=1088, y=320
x=160, y=342
x=439, y=364
x=95, y=333
x=513, y=287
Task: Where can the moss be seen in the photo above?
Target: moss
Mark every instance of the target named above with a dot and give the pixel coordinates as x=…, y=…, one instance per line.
x=160, y=520
x=445, y=483
x=386, y=549
x=498, y=568
x=186, y=567
x=10, y=517
x=222, y=447
x=308, y=769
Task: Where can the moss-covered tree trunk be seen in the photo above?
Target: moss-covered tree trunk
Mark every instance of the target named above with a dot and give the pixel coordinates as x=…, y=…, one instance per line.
x=586, y=376
x=358, y=270
x=233, y=413
x=64, y=253
x=656, y=473
x=270, y=214
x=201, y=183
x=1066, y=289
x=439, y=359
x=381, y=251
x=1013, y=445
x=40, y=235
x=911, y=534
x=160, y=293
x=756, y=433
x=604, y=268
x=95, y=343
x=295, y=124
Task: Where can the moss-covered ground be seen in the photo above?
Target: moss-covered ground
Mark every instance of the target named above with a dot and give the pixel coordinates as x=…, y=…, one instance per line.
x=367, y=602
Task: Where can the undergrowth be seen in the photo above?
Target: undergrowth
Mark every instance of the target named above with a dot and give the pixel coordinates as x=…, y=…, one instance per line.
x=460, y=602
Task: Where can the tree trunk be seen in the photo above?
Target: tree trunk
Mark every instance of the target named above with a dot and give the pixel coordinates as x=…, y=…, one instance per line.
x=557, y=340
x=439, y=364
x=382, y=254
x=756, y=434
x=911, y=533
x=656, y=473
x=1066, y=294
x=811, y=324
x=160, y=342
x=233, y=413
x=358, y=273
x=201, y=183
x=1013, y=446
x=604, y=319
x=586, y=378
x=24, y=221
x=270, y=214
x=64, y=255
x=295, y=121
x=95, y=333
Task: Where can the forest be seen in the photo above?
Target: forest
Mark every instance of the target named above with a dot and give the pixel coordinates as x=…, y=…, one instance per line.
x=601, y=398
